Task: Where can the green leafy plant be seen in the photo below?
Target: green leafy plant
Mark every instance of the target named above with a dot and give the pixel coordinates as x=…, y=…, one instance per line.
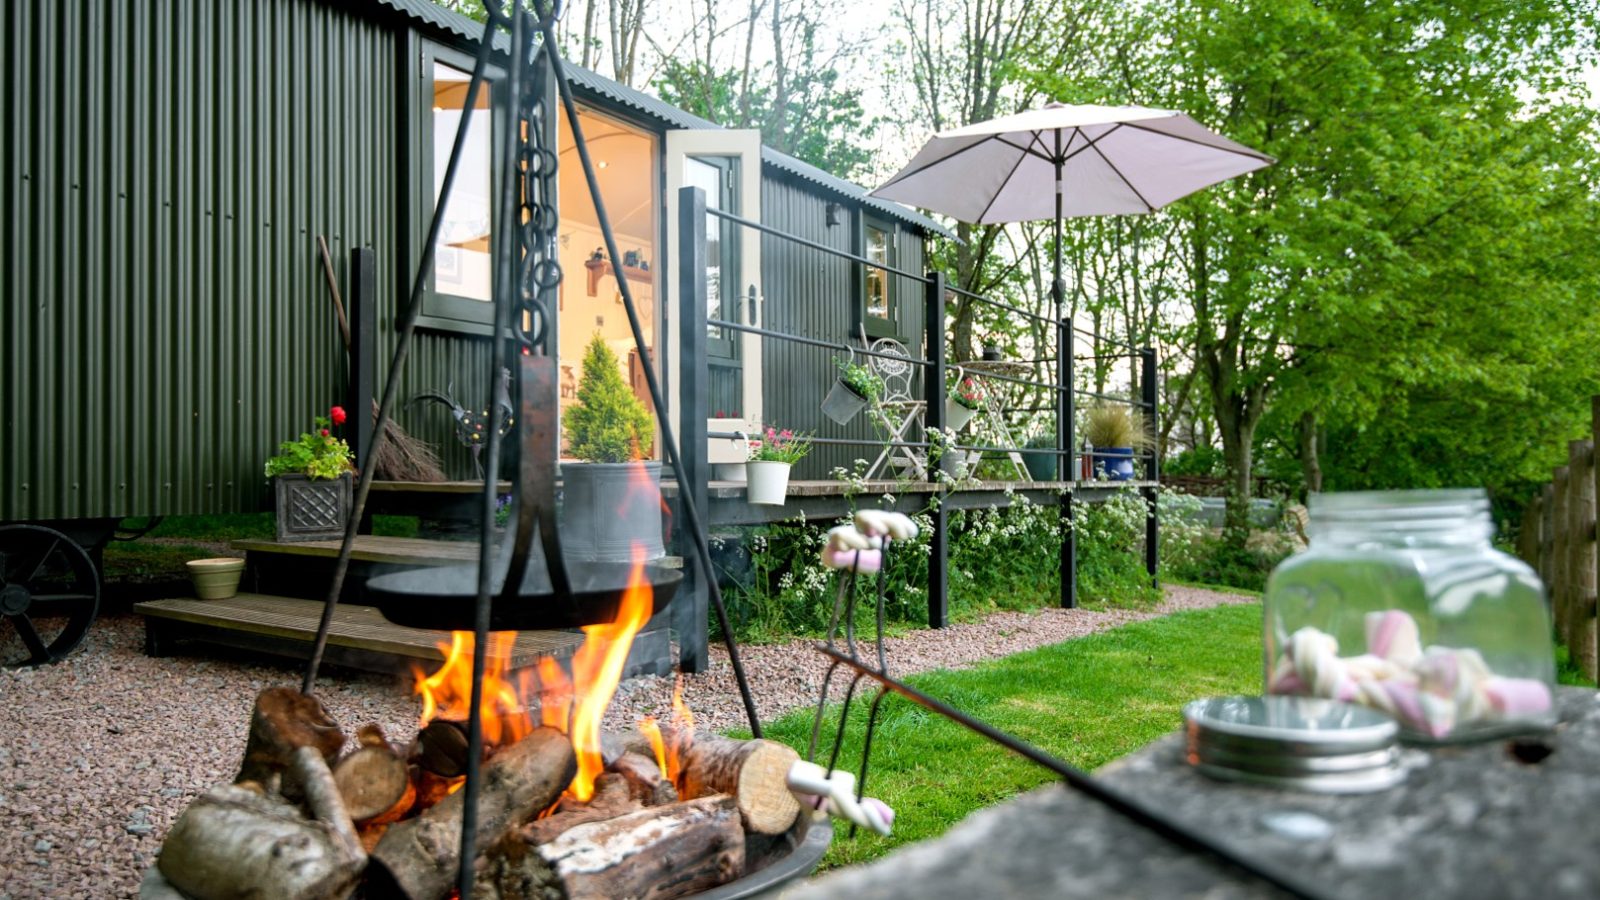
x=317, y=454
x=779, y=446
x=968, y=393
x=608, y=424
x=859, y=378
x=1115, y=425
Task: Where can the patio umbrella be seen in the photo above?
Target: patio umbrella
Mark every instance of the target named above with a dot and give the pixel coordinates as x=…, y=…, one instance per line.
x=1061, y=161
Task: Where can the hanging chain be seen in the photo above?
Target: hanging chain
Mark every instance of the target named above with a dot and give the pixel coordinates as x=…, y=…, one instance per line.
x=539, y=271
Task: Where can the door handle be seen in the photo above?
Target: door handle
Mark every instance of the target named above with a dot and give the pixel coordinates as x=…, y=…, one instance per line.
x=755, y=301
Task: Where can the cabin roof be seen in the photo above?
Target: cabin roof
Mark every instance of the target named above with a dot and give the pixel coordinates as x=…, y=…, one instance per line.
x=428, y=14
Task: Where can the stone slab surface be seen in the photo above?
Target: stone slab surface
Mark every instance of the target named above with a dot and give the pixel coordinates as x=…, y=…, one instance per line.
x=1471, y=821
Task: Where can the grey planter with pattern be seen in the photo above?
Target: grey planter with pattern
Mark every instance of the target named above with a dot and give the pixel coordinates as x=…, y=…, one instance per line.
x=312, y=509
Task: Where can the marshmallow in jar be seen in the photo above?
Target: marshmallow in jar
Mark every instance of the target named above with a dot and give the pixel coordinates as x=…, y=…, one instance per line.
x=1402, y=604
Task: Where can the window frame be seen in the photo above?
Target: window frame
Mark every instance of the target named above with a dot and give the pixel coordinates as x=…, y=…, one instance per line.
x=874, y=326
x=440, y=310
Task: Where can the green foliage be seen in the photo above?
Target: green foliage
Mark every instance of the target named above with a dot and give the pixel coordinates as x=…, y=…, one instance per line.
x=859, y=378
x=1004, y=557
x=1204, y=461
x=316, y=454
x=1110, y=555
x=1416, y=270
x=1087, y=701
x=821, y=121
x=608, y=424
x=780, y=446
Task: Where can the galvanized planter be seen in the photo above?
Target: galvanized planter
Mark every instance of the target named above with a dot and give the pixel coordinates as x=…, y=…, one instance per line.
x=842, y=403
x=607, y=508
x=312, y=509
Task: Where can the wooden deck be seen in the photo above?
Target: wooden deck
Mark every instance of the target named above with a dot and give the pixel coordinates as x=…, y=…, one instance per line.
x=374, y=549
x=359, y=637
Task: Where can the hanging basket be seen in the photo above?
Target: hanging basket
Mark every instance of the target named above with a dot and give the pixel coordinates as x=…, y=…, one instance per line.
x=957, y=416
x=842, y=403
x=768, y=482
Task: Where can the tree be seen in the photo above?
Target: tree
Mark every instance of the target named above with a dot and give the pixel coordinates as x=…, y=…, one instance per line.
x=797, y=102
x=1378, y=241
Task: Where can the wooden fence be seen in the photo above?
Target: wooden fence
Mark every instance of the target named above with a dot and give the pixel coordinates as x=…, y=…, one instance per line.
x=1558, y=540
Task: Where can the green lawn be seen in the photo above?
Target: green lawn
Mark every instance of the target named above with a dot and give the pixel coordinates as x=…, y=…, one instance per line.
x=1087, y=701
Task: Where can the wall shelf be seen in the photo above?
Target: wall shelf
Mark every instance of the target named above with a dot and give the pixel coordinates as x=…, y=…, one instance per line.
x=601, y=267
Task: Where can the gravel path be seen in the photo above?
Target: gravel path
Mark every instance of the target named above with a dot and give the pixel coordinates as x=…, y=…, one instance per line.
x=99, y=754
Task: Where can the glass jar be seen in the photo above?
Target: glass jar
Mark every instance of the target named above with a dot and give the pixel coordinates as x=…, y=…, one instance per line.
x=1401, y=604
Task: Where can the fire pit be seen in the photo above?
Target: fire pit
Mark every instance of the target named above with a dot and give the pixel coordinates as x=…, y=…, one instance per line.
x=564, y=808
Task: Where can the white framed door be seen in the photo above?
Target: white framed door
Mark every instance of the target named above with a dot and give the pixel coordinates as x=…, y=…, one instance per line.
x=727, y=164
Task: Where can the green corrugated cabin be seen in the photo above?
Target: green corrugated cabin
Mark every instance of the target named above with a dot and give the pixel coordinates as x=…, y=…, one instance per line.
x=168, y=167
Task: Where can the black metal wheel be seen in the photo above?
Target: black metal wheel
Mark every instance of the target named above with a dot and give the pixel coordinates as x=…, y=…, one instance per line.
x=49, y=594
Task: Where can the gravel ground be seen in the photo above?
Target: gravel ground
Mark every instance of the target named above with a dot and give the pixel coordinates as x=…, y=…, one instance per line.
x=100, y=753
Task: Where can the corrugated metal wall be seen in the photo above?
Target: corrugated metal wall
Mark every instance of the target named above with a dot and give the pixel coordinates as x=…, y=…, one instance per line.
x=813, y=294
x=167, y=168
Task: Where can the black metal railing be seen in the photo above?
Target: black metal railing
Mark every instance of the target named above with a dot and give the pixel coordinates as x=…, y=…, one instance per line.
x=1071, y=465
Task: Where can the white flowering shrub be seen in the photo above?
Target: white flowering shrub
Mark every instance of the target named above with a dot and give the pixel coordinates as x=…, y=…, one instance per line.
x=1111, y=551
x=1185, y=539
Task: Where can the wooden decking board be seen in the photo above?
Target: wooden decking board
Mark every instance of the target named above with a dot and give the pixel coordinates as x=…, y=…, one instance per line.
x=435, y=487
x=372, y=548
x=356, y=627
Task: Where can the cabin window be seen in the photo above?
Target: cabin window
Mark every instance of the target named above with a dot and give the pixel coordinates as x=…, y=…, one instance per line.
x=461, y=288
x=878, y=312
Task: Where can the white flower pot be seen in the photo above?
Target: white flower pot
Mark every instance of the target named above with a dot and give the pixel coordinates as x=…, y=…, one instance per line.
x=768, y=482
x=956, y=416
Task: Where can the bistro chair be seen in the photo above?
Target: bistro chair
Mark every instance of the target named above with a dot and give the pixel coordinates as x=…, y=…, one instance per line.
x=897, y=410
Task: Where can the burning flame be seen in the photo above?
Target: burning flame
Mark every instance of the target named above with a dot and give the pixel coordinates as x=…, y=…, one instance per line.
x=667, y=758
x=447, y=693
x=597, y=669
x=574, y=706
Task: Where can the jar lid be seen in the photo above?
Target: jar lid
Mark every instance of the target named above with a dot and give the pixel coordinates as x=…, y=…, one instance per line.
x=1268, y=763
x=1288, y=726
x=1363, y=782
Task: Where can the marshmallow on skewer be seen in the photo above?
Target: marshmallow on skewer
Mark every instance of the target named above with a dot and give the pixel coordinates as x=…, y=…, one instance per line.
x=848, y=548
x=877, y=522
x=835, y=795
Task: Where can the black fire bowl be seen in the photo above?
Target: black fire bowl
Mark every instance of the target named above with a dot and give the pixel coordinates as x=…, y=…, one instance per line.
x=442, y=599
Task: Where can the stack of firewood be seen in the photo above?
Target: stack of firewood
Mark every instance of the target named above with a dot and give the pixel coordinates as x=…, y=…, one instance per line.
x=305, y=820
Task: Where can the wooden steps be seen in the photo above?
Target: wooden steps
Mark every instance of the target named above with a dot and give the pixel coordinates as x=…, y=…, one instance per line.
x=359, y=637
x=374, y=549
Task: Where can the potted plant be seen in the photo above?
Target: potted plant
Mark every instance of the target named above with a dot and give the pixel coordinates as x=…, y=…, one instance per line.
x=991, y=348
x=962, y=403
x=611, y=500
x=856, y=386
x=1115, y=431
x=1041, y=466
x=767, y=470
x=311, y=481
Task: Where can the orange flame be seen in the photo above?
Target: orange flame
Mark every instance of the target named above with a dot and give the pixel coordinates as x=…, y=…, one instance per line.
x=597, y=669
x=447, y=693
x=652, y=733
x=555, y=694
x=681, y=716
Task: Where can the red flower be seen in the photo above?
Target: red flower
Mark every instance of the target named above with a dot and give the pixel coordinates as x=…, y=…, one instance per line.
x=337, y=415
x=324, y=432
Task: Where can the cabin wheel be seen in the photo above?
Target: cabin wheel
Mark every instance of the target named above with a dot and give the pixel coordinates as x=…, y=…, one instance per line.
x=49, y=594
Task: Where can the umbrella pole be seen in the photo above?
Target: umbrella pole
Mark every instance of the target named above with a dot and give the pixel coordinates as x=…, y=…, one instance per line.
x=1064, y=411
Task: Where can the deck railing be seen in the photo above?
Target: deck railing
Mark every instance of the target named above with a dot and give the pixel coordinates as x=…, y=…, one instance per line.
x=934, y=365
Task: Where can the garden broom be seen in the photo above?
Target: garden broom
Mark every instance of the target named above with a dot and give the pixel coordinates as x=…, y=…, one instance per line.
x=400, y=456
